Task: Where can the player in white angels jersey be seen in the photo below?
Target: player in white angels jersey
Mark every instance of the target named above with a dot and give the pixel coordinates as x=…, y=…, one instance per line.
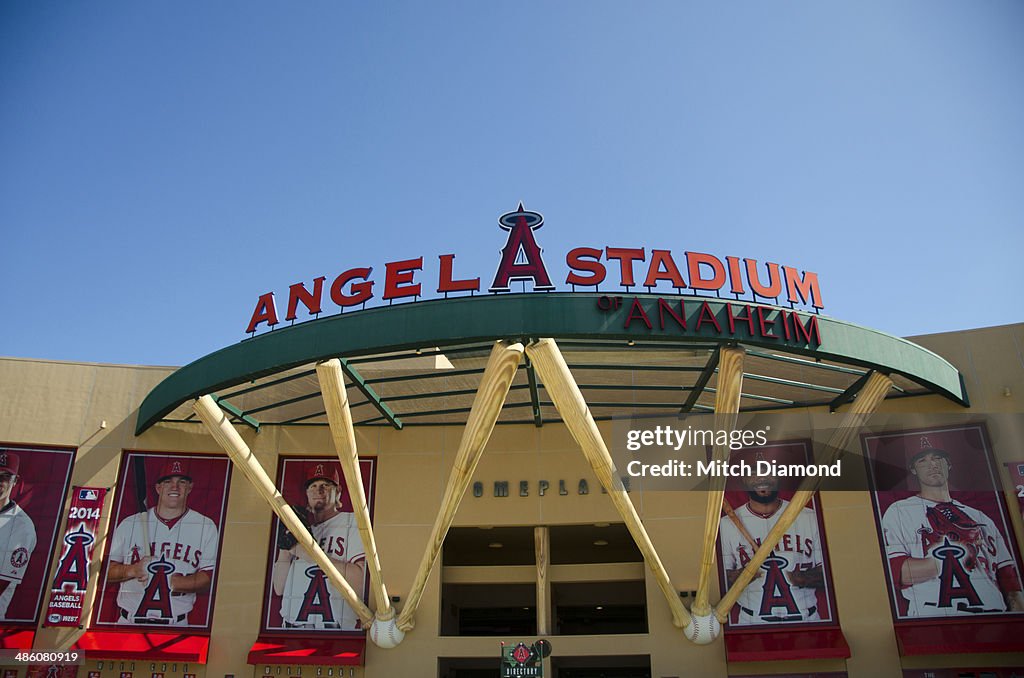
x=159, y=580
x=785, y=589
x=946, y=558
x=308, y=600
x=17, y=533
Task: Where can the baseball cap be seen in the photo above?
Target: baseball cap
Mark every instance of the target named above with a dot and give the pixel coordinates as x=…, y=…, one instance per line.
x=924, y=448
x=752, y=455
x=321, y=471
x=9, y=462
x=174, y=467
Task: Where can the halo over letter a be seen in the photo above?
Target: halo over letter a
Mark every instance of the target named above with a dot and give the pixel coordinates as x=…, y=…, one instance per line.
x=521, y=256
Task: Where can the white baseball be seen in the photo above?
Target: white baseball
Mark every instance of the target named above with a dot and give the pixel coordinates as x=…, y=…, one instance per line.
x=385, y=633
x=703, y=629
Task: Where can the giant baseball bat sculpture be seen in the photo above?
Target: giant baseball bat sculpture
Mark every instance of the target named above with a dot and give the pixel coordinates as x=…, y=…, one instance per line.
x=735, y=520
x=332, y=387
x=727, y=406
x=560, y=385
x=242, y=457
x=867, y=401
x=490, y=396
x=142, y=499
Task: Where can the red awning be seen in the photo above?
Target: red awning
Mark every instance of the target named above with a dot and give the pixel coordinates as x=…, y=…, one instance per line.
x=306, y=650
x=17, y=639
x=774, y=645
x=958, y=638
x=178, y=647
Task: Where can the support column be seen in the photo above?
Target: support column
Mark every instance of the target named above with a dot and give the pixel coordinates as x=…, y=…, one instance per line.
x=542, y=552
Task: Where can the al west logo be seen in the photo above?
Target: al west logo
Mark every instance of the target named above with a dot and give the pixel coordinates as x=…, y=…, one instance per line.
x=522, y=261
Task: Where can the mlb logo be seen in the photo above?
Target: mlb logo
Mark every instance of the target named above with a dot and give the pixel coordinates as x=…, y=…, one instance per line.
x=1020, y=469
x=88, y=495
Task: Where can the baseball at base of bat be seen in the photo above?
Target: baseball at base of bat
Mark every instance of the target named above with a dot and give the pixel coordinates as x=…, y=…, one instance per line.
x=727, y=507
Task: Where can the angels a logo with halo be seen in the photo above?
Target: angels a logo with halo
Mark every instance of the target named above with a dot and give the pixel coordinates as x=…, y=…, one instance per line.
x=521, y=256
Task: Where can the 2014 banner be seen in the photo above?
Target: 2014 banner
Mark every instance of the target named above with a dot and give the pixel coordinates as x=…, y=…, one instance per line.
x=67, y=595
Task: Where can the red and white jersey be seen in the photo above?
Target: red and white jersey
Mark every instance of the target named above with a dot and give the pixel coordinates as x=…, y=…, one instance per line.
x=17, y=541
x=967, y=582
x=309, y=600
x=183, y=546
x=771, y=597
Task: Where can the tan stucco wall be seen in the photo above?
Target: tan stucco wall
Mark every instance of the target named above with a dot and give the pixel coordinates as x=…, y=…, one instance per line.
x=55, y=403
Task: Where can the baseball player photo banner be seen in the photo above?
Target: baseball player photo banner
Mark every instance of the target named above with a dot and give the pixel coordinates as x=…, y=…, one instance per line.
x=298, y=596
x=161, y=564
x=33, y=485
x=794, y=585
x=943, y=528
x=67, y=594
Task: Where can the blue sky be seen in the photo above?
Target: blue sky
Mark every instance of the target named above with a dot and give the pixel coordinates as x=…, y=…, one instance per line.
x=163, y=164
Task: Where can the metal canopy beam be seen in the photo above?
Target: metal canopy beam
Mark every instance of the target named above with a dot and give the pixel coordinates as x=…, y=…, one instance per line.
x=531, y=377
x=237, y=413
x=814, y=364
x=283, y=403
x=850, y=393
x=371, y=395
x=570, y=316
x=790, y=382
x=446, y=394
x=638, y=368
x=424, y=375
x=702, y=382
x=275, y=382
x=754, y=396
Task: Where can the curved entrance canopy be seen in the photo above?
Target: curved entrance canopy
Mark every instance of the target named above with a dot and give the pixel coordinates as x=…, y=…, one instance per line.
x=429, y=363
x=419, y=363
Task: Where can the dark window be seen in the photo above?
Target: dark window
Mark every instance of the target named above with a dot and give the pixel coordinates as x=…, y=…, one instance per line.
x=496, y=546
x=468, y=667
x=612, y=666
x=599, y=607
x=488, y=610
x=585, y=544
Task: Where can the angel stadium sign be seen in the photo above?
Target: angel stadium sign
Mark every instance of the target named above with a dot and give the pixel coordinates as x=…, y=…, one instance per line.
x=521, y=261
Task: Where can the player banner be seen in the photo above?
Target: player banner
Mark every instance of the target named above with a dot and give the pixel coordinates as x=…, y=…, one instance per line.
x=794, y=585
x=67, y=594
x=161, y=563
x=33, y=484
x=942, y=524
x=298, y=596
